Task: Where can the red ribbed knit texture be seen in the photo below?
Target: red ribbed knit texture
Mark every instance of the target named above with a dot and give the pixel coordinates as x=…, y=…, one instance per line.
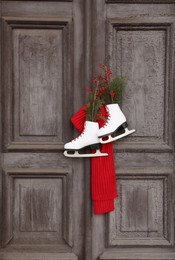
x=103, y=181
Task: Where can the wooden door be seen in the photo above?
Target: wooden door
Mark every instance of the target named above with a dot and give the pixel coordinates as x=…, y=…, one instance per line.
x=137, y=41
x=42, y=198
x=49, y=52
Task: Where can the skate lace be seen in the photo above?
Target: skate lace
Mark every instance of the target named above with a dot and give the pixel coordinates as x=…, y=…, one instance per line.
x=82, y=133
x=108, y=118
x=105, y=125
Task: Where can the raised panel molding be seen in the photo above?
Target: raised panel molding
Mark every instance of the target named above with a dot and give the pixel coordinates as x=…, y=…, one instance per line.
x=37, y=82
x=37, y=206
x=146, y=43
x=143, y=211
x=38, y=256
x=44, y=0
x=140, y=254
x=140, y=1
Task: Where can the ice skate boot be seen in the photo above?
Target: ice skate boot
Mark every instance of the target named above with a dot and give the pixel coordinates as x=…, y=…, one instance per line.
x=116, y=120
x=88, y=138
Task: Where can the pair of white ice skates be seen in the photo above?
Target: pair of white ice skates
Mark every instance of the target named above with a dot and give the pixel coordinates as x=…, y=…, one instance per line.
x=93, y=137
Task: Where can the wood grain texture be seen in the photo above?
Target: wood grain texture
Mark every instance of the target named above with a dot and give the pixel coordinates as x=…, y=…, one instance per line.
x=140, y=11
x=44, y=204
x=44, y=0
x=39, y=206
x=98, y=17
x=144, y=61
x=143, y=178
x=141, y=211
x=37, y=177
x=136, y=206
x=140, y=1
x=156, y=161
x=143, y=67
x=38, y=211
x=38, y=80
x=42, y=10
x=144, y=254
x=0, y=123
x=38, y=256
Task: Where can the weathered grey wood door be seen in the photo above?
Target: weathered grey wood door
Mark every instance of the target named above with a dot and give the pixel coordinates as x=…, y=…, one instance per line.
x=42, y=198
x=137, y=41
x=49, y=51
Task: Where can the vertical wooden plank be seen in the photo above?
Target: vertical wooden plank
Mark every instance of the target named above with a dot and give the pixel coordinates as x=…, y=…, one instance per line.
x=87, y=78
x=98, y=34
x=98, y=28
x=7, y=231
x=78, y=63
x=156, y=207
x=0, y=126
x=80, y=187
x=6, y=81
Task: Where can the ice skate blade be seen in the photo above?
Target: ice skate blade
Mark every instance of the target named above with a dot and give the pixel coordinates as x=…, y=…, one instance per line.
x=78, y=155
x=112, y=139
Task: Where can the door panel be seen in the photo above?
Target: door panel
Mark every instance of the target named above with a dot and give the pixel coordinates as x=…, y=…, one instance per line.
x=36, y=82
x=140, y=49
x=40, y=217
x=138, y=43
x=37, y=205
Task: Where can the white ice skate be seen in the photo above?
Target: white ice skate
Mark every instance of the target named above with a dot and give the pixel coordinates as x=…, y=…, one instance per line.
x=89, y=137
x=116, y=120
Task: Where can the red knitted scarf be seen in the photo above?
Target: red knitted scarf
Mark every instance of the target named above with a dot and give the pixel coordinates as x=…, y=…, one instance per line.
x=103, y=181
